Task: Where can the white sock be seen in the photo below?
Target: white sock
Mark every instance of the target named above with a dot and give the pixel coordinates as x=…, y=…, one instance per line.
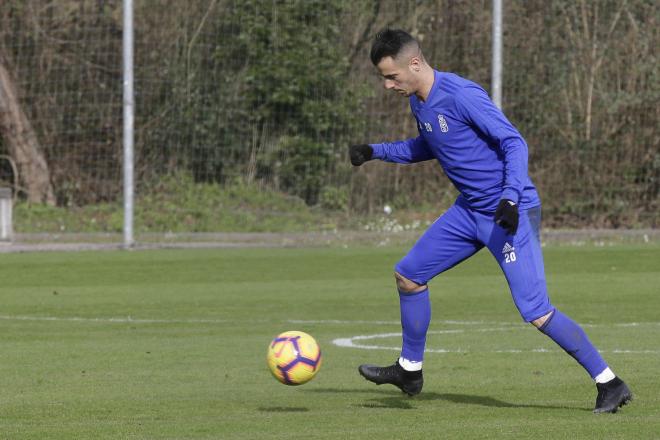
x=410, y=365
x=605, y=376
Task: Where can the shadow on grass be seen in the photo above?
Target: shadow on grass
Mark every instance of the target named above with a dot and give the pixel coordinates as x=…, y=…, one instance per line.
x=282, y=409
x=470, y=399
x=397, y=400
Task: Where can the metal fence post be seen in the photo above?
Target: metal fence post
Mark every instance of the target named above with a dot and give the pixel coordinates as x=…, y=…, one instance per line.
x=129, y=109
x=496, y=80
x=6, y=228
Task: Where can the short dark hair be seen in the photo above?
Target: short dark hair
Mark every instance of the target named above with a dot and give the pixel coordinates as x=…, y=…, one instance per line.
x=388, y=43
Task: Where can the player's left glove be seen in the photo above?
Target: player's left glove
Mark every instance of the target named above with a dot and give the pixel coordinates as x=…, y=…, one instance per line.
x=506, y=215
x=360, y=154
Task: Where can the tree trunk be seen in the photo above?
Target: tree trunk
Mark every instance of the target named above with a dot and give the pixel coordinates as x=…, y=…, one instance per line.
x=22, y=142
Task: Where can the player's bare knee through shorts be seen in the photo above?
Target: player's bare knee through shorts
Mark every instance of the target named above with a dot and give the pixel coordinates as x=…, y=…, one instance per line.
x=406, y=286
x=538, y=323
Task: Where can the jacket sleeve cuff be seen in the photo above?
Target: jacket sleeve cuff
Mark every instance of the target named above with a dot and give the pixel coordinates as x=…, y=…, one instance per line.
x=511, y=194
x=377, y=151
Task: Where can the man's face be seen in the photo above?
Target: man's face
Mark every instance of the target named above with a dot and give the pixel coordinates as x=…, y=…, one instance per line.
x=398, y=76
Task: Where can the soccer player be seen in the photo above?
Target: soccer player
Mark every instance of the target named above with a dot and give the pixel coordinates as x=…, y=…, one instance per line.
x=485, y=157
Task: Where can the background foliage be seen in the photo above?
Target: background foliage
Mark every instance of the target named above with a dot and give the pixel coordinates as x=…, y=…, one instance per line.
x=268, y=94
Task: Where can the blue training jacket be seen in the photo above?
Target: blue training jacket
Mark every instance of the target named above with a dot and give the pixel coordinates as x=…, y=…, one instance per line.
x=480, y=151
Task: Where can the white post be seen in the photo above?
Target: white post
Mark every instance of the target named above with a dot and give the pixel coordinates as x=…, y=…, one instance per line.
x=6, y=228
x=496, y=80
x=129, y=109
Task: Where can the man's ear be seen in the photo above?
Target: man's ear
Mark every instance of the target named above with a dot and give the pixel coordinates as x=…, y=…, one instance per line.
x=415, y=64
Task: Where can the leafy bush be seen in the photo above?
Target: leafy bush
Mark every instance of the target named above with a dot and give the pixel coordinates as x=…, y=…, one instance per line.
x=179, y=204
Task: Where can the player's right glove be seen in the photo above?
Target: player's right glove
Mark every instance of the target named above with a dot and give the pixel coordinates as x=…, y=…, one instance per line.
x=506, y=215
x=360, y=154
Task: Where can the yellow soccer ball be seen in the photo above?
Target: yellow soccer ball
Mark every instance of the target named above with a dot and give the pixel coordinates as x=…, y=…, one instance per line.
x=294, y=357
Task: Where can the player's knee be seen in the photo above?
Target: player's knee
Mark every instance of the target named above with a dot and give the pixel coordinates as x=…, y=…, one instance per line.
x=538, y=323
x=407, y=286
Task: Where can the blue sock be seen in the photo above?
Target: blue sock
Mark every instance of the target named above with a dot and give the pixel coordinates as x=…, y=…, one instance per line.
x=570, y=336
x=415, y=319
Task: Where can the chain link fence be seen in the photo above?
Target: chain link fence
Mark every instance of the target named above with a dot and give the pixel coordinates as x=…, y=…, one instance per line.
x=244, y=110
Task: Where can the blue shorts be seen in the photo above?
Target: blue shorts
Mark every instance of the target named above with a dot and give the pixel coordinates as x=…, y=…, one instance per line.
x=460, y=232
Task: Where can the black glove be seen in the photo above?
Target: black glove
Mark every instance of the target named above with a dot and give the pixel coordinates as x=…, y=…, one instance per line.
x=506, y=215
x=360, y=153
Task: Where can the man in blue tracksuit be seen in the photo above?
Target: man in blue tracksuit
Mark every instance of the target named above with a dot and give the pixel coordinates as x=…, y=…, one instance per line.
x=485, y=157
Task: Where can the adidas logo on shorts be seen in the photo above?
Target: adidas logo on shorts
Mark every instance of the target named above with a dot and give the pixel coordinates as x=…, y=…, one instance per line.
x=509, y=255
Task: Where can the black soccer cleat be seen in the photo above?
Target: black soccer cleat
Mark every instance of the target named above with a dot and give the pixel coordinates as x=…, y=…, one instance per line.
x=410, y=382
x=611, y=396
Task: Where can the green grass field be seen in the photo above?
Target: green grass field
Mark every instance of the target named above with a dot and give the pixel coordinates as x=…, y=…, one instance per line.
x=171, y=344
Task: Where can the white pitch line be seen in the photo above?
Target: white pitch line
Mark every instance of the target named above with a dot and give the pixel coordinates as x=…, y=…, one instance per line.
x=502, y=325
x=456, y=322
x=352, y=343
x=349, y=342
x=349, y=322
x=127, y=319
x=338, y=321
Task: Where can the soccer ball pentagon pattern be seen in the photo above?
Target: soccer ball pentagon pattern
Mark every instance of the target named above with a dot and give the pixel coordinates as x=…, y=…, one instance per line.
x=294, y=357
